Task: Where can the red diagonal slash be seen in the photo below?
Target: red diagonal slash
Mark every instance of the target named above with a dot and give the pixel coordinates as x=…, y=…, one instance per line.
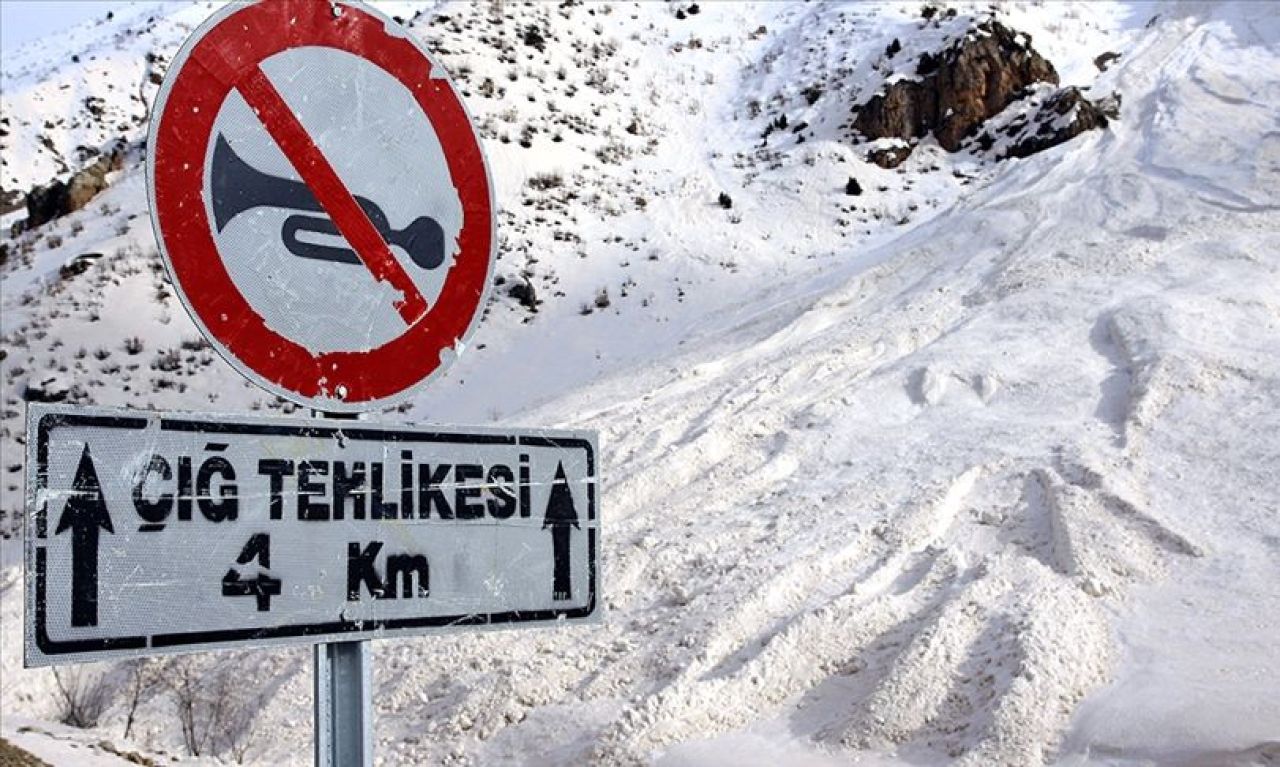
x=337, y=201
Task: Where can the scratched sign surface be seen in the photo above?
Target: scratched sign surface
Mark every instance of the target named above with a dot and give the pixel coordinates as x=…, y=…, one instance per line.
x=159, y=532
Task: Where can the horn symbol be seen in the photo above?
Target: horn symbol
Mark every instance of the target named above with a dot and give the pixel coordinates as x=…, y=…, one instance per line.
x=238, y=186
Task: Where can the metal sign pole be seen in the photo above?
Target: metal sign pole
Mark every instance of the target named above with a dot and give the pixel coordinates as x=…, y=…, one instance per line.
x=343, y=695
x=343, y=704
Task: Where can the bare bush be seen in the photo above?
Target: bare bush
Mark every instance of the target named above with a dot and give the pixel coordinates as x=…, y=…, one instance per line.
x=240, y=726
x=167, y=361
x=142, y=679
x=83, y=693
x=216, y=714
x=545, y=181
x=197, y=705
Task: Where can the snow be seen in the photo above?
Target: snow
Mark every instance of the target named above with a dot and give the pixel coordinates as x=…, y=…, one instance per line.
x=978, y=466
x=57, y=744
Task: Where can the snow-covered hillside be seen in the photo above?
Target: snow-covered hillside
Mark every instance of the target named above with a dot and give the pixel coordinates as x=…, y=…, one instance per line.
x=978, y=465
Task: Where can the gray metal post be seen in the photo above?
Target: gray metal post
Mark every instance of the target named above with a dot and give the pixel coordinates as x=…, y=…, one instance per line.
x=343, y=705
x=343, y=695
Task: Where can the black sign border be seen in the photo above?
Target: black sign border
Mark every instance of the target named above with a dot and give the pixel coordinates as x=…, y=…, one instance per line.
x=52, y=647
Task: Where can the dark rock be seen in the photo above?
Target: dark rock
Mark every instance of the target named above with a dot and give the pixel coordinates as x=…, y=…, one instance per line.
x=95, y=105
x=11, y=201
x=964, y=85
x=1110, y=106
x=45, y=203
x=889, y=157
x=927, y=65
x=725, y=201
x=1048, y=129
x=893, y=49
x=906, y=110
x=78, y=265
x=49, y=390
x=1103, y=61
x=524, y=292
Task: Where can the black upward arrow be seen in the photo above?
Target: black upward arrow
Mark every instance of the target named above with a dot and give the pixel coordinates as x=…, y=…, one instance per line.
x=84, y=514
x=559, y=517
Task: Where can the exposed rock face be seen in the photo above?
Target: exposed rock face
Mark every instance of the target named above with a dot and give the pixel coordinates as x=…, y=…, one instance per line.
x=1063, y=116
x=889, y=153
x=958, y=89
x=906, y=110
x=1105, y=60
x=45, y=203
x=11, y=201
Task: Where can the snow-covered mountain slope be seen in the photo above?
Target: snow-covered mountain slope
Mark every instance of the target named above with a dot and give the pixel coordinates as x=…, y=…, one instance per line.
x=980, y=465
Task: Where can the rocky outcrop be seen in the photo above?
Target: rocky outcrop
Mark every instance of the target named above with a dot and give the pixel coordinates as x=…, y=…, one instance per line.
x=907, y=109
x=1063, y=116
x=45, y=203
x=955, y=91
x=888, y=153
x=1105, y=60
x=11, y=200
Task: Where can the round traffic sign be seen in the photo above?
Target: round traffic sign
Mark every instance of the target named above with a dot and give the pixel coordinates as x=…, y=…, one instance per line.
x=321, y=200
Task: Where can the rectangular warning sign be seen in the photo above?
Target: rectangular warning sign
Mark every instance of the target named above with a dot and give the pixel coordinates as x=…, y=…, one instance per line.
x=154, y=532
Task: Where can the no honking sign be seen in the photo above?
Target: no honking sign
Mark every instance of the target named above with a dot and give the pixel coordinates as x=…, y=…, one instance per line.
x=321, y=200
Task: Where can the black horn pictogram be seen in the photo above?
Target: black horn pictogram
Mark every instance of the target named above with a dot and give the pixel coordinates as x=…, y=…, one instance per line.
x=237, y=186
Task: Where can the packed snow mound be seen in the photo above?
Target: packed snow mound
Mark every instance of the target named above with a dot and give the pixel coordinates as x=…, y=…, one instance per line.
x=951, y=489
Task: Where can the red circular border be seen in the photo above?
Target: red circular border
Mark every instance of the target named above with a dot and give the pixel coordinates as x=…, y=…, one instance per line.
x=240, y=41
